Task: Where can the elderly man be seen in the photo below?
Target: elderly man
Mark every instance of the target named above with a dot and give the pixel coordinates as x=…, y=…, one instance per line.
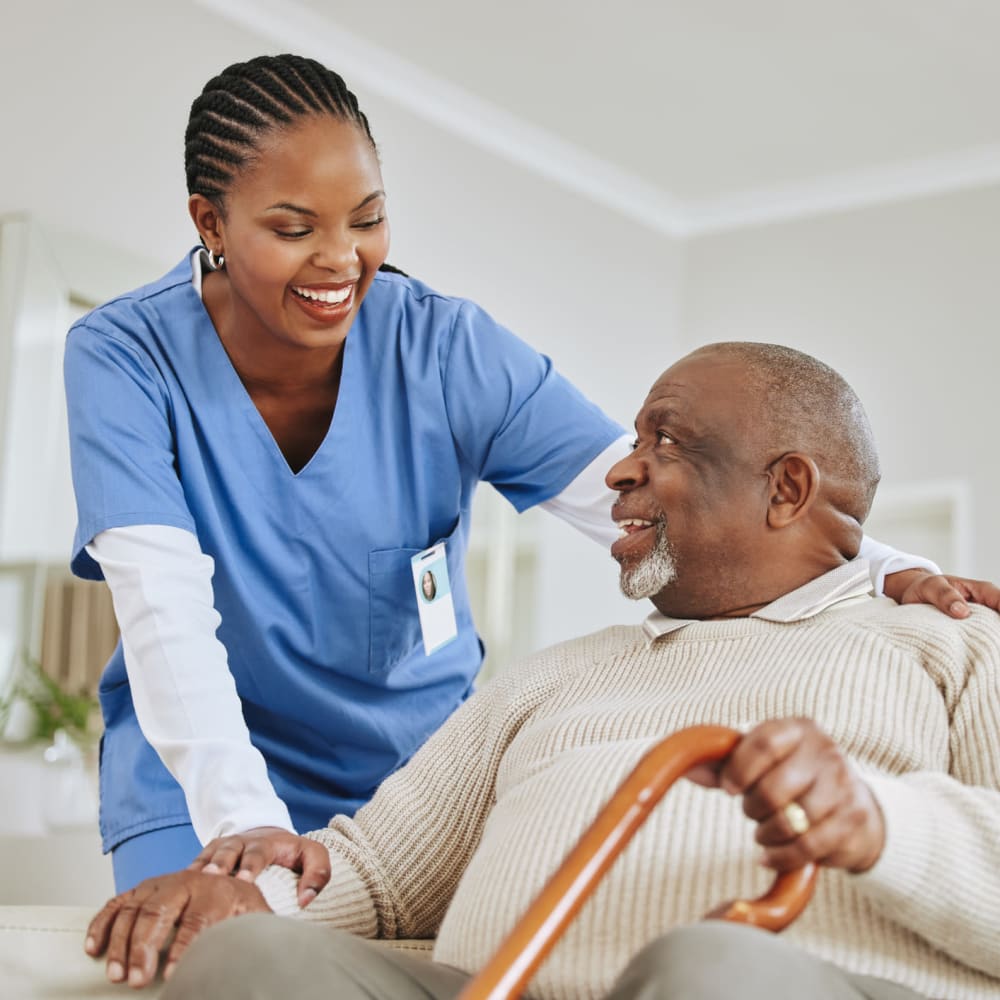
x=872, y=746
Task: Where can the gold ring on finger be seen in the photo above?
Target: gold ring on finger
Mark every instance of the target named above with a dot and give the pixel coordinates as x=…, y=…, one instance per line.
x=797, y=818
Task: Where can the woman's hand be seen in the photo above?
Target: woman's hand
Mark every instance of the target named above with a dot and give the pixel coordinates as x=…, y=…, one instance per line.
x=135, y=926
x=246, y=855
x=804, y=795
x=950, y=594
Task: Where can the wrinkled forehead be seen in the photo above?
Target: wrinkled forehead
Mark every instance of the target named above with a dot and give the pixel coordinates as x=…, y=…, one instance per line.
x=707, y=389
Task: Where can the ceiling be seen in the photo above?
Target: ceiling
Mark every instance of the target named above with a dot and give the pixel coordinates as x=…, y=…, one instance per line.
x=705, y=101
x=689, y=116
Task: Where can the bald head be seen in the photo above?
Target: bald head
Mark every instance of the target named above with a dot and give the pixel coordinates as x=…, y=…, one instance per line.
x=801, y=404
x=752, y=471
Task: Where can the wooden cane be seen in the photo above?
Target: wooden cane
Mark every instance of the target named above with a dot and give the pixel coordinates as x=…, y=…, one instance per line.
x=534, y=936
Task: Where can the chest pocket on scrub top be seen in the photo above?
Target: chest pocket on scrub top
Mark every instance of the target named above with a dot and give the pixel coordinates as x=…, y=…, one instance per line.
x=394, y=622
x=394, y=625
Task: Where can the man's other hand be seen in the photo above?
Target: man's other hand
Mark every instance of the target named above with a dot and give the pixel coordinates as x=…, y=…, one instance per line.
x=134, y=927
x=950, y=594
x=246, y=855
x=801, y=790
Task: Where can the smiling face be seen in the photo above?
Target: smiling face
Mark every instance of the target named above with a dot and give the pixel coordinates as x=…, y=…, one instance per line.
x=303, y=231
x=693, y=493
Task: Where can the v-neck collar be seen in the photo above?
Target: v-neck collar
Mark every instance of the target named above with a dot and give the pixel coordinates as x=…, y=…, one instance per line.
x=222, y=364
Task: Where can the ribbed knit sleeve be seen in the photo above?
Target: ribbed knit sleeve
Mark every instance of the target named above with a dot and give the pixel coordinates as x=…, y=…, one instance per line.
x=397, y=863
x=345, y=902
x=939, y=873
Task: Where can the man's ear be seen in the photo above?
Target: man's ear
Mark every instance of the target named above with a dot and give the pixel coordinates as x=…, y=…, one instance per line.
x=793, y=482
x=208, y=220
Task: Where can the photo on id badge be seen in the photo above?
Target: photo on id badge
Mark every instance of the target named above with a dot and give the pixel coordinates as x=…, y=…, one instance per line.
x=432, y=590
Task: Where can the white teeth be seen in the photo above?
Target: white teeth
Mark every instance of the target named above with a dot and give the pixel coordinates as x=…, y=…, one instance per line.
x=630, y=522
x=329, y=296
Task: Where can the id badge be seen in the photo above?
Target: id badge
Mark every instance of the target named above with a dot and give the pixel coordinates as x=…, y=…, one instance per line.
x=433, y=593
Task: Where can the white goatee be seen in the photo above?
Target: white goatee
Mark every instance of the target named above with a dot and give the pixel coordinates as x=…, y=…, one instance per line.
x=653, y=572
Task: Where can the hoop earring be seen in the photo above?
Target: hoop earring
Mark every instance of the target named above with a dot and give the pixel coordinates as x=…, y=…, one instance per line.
x=217, y=262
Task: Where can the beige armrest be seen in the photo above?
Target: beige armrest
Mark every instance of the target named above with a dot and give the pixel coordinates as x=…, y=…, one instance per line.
x=42, y=956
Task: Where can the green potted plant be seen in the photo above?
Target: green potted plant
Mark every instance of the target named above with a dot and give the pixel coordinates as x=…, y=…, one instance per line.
x=51, y=707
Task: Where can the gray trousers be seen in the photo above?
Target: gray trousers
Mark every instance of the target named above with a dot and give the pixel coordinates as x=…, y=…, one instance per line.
x=261, y=957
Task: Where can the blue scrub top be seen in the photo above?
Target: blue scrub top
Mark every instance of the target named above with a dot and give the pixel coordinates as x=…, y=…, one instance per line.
x=312, y=570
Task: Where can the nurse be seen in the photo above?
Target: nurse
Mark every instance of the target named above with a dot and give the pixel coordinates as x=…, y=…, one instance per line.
x=272, y=445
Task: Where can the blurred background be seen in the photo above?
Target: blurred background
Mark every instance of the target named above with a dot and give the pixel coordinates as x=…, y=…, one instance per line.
x=616, y=183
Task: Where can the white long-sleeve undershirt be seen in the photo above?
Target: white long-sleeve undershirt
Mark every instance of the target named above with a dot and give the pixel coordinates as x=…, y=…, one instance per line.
x=184, y=695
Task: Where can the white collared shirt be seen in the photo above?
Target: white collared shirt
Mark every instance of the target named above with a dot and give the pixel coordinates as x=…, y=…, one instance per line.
x=847, y=584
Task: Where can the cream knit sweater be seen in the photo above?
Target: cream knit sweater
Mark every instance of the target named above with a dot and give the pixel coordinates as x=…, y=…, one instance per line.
x=458, y=842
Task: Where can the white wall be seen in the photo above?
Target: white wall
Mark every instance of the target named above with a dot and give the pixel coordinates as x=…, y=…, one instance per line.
x=904, y=300
x=95, y=100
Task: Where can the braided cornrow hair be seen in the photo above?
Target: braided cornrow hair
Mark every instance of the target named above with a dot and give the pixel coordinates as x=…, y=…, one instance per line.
x=247, y=101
